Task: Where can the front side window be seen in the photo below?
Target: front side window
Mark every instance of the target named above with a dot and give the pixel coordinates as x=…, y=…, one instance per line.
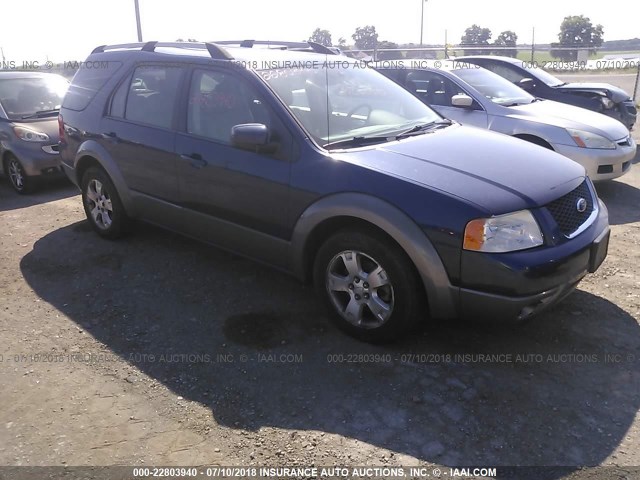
x=494, y=87
x=505, y=71
x=218, y=101
x=340, y=100
x=152, y=95
x=32, y=97
x=432, y=88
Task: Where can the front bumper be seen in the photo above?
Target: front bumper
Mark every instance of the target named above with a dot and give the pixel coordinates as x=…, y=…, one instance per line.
x=37, y=159
x=518, y=285
x=601, y=164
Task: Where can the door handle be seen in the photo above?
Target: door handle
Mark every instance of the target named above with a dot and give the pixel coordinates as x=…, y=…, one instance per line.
x=111, y=136
x=195, y=159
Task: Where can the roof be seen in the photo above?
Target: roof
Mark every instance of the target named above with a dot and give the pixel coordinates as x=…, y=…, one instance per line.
x=5, y=74
x=243, y=51
x=491, y=57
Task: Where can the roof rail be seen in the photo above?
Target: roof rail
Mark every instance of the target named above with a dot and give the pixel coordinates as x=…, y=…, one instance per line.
x=216, y=52
x=301, y=46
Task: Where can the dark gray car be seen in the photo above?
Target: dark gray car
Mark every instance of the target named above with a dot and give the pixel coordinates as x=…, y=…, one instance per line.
x=29, y=106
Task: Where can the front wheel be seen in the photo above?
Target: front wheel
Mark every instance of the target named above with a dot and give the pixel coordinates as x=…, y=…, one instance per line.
x=102, y=204
x=19, y=180
x=369, y=285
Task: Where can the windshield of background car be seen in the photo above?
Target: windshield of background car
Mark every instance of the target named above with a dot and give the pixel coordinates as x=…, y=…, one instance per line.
x=493, y=86
x=25, y=97
x=544, y=76
x=342, y=99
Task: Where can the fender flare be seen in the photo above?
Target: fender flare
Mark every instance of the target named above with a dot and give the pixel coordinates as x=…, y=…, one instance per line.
x=440, y=293
x=93, y=149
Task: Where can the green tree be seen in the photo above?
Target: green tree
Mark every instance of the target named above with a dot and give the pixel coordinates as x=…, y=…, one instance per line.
x=365, y=38
x=576, y=31
x=397, y=55
x=507, y=39
x=323, y=37
x=475, y=36
x=342, y=42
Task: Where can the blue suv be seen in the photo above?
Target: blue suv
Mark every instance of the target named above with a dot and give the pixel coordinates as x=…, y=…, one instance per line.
x=322, y=167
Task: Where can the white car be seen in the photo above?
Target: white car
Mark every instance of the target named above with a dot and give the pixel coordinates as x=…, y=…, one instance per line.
x=471, y=95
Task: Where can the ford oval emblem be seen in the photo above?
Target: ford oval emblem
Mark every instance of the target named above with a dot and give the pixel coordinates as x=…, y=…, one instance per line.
x=581, y=205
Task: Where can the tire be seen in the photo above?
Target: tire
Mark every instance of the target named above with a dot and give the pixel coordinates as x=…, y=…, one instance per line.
x=18, y=179
x=102, y=204
x=344, y=270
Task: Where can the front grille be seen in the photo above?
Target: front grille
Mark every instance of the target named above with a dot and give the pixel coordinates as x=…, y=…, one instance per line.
x=565, y=209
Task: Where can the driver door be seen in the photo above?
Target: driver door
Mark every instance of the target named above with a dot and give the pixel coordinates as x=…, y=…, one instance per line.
x=436, y=90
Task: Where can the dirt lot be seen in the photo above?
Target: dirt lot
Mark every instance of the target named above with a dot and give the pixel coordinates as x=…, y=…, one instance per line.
x=157, y=350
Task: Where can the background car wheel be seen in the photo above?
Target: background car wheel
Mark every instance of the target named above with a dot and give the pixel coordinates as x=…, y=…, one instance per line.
x=19, y=180
x=102, y=204
x=369, y=285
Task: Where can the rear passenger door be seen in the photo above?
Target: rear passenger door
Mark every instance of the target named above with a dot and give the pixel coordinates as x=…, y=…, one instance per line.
x=140, y=132
x=234, y=196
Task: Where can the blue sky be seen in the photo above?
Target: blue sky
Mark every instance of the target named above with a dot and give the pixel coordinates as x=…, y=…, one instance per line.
x=69, y=29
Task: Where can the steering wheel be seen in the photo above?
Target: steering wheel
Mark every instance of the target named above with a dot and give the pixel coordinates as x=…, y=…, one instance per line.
x=353, y=111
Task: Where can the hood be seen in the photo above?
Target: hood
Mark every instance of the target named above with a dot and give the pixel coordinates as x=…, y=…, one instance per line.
x=493, y=171
x=44, y=125
x=568, y=116
x=614, y=93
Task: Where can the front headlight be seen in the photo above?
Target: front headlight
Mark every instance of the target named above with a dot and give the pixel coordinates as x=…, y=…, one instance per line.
x=607, y=103
x=505, y=233
x=590, y=140
x=29, y=135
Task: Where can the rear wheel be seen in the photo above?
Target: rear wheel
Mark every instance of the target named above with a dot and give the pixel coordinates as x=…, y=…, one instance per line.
x=369, y=285
x=19, y=180
x=102, y=205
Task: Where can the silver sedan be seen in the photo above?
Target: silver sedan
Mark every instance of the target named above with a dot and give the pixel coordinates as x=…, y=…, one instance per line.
x=474, y=96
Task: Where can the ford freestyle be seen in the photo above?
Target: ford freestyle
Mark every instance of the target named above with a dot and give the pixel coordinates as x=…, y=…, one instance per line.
x=324, y=168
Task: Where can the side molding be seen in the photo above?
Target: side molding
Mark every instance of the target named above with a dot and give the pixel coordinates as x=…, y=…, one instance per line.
x=441, y=294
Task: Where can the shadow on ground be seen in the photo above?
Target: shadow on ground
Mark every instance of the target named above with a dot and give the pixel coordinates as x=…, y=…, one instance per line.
x=262, y=355
x=55, y=189
x=622, y=200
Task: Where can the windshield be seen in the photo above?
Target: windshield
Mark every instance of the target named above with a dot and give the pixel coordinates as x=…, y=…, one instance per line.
x=493, y=86
x=542, y=75
x=339, y=100
x=31, y=97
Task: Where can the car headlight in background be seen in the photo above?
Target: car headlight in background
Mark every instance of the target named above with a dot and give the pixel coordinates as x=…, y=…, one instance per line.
x=504, y=233
x=590, y=140
x=607, y=103
x=29, y=135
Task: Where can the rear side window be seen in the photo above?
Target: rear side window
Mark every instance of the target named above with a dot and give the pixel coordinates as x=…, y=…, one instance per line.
x=152, y=94
x=87, y=82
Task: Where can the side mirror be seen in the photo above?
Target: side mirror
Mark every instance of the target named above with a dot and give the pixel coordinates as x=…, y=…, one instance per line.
x=254, y=137
x=461, y=100
x=249, y=135
x=527, y=84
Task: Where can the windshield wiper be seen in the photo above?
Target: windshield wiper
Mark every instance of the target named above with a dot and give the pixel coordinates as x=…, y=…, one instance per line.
x=357, y=142
x=41, y=113
x=363, y=141
x=422, y=128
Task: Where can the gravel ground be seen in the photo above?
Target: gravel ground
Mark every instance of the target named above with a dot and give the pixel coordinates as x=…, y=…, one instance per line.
x=157, y=350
